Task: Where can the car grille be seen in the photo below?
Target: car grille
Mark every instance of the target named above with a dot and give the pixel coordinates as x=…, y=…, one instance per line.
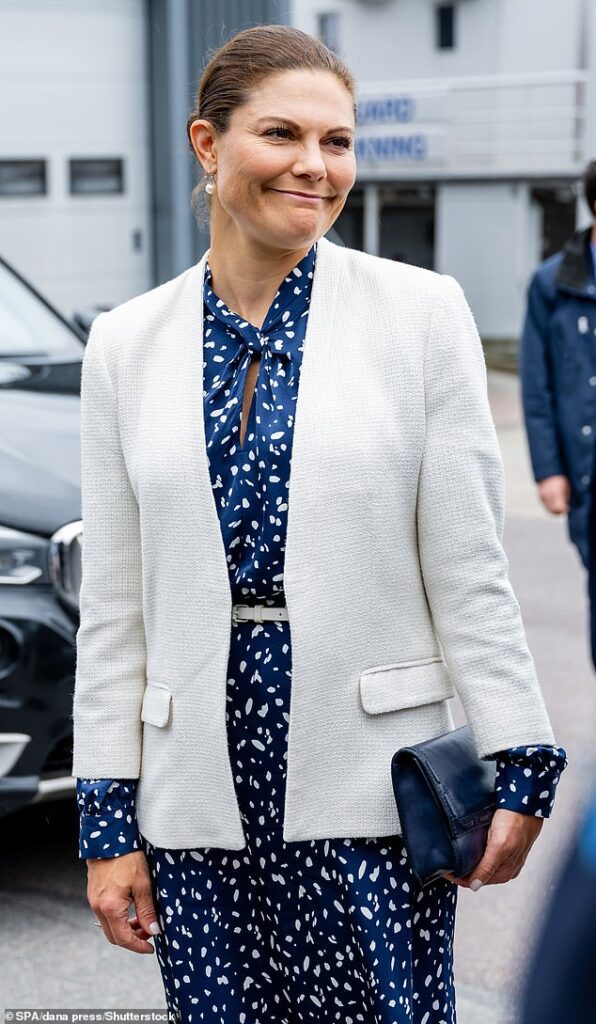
x=59, y=760
x=65, y=561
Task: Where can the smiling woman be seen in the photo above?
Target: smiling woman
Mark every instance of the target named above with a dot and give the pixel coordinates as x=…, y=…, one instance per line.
x=241, y=110
x=287, y=143
x=268, y=853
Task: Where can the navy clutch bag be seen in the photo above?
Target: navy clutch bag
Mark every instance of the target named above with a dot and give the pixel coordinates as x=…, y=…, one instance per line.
x=445, y=798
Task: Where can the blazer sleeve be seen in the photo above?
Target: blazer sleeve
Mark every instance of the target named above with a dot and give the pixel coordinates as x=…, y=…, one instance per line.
x=537, y=387
x=110, y=643
x=460, y=519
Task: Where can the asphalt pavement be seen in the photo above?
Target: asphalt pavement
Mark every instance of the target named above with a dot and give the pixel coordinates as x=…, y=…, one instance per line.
x=497, y=926
x=52, y=955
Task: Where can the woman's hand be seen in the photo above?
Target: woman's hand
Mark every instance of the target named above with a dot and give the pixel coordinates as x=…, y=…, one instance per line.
x=112, y=884
x=510, y=838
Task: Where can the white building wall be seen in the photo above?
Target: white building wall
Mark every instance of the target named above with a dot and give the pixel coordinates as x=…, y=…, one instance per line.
x=396, y=39
x=73, y=84
x=487, y=237
x=538, y=35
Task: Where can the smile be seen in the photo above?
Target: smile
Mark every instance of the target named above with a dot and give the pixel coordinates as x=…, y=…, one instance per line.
x=309, y=198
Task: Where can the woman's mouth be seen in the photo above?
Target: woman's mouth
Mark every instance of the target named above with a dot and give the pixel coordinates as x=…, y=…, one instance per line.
x=309, y=197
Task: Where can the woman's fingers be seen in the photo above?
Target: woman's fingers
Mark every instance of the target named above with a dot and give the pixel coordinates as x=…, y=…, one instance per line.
x=115, y=882
x=493, y=867
x=491, y=876
x=510, y=839
x=143, y=900
x=105, y=926
x=138, y=928
x=123, y=933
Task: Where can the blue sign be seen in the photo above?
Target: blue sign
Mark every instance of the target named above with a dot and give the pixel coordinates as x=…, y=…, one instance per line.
x=391, y=147
x=386, y=110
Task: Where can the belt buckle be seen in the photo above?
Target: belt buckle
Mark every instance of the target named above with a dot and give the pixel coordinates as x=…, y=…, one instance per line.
x=257, y=614
x=236, y=620
x=255, y=618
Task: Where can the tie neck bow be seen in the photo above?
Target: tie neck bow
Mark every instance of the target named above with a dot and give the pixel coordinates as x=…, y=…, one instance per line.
x=276, y=336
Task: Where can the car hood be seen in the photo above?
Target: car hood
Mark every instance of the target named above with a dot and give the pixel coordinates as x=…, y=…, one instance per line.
x=40, y=482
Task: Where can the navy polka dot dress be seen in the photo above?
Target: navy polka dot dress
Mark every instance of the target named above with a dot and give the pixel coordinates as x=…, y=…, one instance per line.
x=331, y=930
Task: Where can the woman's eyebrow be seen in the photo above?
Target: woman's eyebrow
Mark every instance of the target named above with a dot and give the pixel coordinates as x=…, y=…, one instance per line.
x=288, y=120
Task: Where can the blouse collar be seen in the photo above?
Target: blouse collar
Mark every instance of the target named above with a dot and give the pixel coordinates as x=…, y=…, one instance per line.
x=291, y=302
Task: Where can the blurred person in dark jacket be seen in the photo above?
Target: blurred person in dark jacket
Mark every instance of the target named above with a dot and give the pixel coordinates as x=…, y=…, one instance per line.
x=560, y=986
x=558, y=374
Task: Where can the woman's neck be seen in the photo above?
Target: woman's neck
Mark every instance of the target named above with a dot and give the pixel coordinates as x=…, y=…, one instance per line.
x=246, y=275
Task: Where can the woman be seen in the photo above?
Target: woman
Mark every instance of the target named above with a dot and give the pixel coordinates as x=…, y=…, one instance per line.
x=259, y=835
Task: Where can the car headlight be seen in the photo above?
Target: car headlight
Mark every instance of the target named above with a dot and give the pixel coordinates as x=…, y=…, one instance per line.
x=24, y=558
x=66, y=548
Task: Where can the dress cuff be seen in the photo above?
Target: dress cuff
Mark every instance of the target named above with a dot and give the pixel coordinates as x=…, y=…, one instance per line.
x=108, y=824
x=527, y=778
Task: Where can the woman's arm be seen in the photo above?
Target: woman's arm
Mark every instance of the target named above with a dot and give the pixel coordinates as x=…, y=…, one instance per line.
x=525, y=789
x=527, y=778
x=461, y=513
x=111, y=655
x=108, y=825
x=461, y=516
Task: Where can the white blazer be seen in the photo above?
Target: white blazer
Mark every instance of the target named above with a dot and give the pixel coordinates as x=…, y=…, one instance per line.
x=395, y=576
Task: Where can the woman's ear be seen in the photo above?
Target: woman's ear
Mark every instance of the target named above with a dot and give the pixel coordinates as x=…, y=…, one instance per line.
x=204, y=144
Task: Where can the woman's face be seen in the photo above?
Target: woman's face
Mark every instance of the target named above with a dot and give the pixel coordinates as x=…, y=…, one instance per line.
x=295, y=134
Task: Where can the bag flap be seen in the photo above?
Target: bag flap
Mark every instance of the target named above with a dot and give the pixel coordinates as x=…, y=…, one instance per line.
x=462, y=784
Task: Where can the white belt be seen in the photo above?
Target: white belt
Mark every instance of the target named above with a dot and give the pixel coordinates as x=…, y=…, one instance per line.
x=258, y=613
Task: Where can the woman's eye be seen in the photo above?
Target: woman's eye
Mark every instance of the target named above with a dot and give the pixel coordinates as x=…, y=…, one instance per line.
x=341, y=140
x=270, y=131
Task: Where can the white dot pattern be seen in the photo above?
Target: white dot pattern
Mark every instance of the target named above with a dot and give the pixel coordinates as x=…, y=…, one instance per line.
x=322, y=930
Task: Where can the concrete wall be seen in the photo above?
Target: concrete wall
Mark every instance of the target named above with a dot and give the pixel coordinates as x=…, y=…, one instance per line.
x=395, y=39
x=487, y=236
x=74, y=84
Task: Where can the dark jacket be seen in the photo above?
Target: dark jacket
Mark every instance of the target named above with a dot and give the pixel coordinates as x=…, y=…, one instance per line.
x=559, y=981
x=558, y=375
x=592, y=563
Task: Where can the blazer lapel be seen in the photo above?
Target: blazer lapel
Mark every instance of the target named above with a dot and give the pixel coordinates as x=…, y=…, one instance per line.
x=207, y=556
x=186, y=321
x=315, y=373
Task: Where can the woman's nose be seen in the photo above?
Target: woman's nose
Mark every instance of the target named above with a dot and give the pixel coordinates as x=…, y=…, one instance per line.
x=310, y=161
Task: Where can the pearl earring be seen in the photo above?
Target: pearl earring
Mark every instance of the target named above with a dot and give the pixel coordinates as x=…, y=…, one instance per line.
x=210, y=186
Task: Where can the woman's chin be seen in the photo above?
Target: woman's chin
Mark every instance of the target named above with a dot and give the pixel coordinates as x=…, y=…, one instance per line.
x=296, y=234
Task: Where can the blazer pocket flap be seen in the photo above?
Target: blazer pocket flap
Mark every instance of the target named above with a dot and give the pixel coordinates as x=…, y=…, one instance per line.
x=405, y=684
x=156, y=704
